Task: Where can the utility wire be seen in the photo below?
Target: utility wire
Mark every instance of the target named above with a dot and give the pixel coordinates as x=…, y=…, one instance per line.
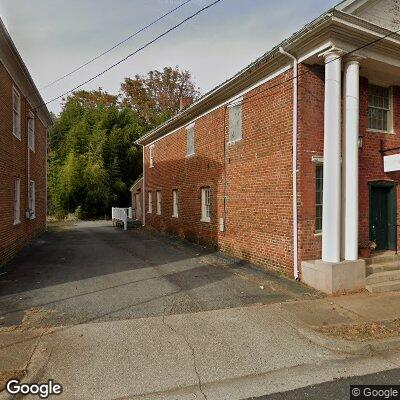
x=131, y=54
x=113, y=47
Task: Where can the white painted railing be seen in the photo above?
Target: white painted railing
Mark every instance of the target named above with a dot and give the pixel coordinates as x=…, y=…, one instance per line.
x=121, y=214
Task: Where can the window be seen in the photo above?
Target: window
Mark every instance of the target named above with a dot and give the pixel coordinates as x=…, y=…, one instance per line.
x=319, y=183
x=152, y=156
x=150, y=205
x=31, y=131
x=190, y=140
x=206, y=204
x=16, y=97
x=175, y=203
x=17, y=201
x=158, y=198
x=379, y=104
x=32, y=200
x=235, y=122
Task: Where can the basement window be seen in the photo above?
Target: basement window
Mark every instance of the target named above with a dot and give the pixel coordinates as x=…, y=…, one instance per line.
x=206, y=204
x=319, y=184
x=379, y=108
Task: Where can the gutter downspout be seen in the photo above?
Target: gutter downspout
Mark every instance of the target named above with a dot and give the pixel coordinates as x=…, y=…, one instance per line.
x=294, y=151
x=143, y=189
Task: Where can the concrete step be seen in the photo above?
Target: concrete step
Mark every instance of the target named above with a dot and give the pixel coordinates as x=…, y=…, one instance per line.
x=384, y=287
x=381, y=277
x=383, y=267
x=385, y=257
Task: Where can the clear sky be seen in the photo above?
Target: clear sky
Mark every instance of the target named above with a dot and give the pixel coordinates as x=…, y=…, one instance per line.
x=55, y=36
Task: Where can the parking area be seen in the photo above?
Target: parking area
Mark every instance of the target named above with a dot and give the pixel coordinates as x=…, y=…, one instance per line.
x=93, y=272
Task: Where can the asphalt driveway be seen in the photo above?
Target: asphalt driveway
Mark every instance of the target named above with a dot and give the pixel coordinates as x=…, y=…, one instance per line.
x=93, y=272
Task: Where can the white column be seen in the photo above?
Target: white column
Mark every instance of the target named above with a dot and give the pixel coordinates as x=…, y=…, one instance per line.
x=350, y=155
x=332, y=181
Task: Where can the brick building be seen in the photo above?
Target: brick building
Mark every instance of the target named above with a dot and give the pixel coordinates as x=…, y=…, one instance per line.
x=137, y=199
x=284, y=162
x=23, y=125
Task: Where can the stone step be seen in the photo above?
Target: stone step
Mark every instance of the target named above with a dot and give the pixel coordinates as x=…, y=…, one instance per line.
x=383, y=267
x=381, y=277
x=384, y=287
x=385, y=257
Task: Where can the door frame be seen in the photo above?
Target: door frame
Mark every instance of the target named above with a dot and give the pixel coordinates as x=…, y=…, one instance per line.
x=392, y=210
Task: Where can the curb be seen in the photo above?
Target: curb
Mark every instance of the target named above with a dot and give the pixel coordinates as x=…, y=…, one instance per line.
x=34, y=371
x=340, y=345
x=350, y=347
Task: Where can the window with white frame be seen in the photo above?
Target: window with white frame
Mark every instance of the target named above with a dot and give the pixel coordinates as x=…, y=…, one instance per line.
x=379, y=108
x=152, y=156
x=235, y=122
x=150, y=203
x=190, y=140
x=175, y=210
x=17, y=201
x=31, y=131
x=319, y=190
x=206, y=204
x=16, y=102
x=158, y=198
x=32, y=200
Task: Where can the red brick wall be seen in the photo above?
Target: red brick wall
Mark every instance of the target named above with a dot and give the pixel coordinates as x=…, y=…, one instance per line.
x=13, y=164
x=258, y=180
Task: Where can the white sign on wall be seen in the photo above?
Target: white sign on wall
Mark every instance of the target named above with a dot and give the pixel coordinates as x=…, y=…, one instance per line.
x=391, y=163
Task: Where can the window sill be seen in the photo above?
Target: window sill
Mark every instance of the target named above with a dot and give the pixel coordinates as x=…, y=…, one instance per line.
x=318, y=233
x=175, y=216
x=231, y=143
x=16, y=223
x=206, y=221
x=190, y=155
x=18, y=137
x=369, y=130
x=158, y=213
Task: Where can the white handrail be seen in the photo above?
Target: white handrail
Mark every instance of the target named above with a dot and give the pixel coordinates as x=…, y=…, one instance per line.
x=120, y=214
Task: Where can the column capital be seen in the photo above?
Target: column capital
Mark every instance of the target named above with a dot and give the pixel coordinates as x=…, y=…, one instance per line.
x=331, y=53
x=353, y=58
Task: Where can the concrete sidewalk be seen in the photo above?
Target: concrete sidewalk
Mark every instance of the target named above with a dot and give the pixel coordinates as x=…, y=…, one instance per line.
x=223, y=354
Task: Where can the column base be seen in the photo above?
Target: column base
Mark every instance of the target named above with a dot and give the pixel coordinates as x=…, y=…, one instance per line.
x=334, y=278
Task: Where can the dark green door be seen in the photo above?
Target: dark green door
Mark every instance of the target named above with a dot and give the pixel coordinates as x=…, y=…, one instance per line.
x=383, y=217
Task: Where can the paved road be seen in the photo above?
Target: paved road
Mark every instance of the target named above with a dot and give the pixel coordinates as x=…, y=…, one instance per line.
x=115, y=315
x=95, y=272
x=336, y=390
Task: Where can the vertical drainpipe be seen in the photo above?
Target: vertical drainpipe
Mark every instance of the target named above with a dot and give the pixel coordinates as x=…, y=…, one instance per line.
x=143, y=189
x=295, y=134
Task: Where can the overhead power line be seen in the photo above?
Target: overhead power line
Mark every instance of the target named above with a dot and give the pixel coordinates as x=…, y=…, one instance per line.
x=131, y=54
x=113, y=47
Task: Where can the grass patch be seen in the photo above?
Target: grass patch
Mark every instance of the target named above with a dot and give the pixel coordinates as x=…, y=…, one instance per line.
x=363, y=331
